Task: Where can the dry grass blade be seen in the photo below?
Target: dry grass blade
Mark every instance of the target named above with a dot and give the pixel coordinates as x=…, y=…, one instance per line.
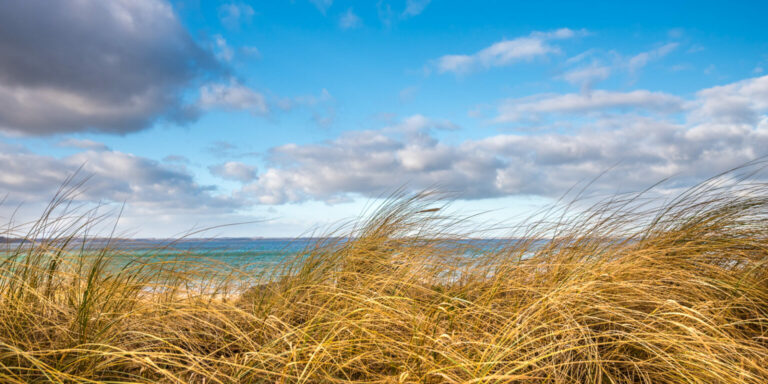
x=630, y=291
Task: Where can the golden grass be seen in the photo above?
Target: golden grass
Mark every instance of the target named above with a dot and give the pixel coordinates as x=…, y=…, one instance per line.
x=630, y=291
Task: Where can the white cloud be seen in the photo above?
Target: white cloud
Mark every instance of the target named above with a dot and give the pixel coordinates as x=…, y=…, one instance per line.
x=90, y=65
x=385, y=12
x=223, y=51
x=234, y=170
x=532, y=108
x=408, y=93
x=415, y=7
x=723, y=127
x=322, y=108
x=233, y=96
x=176, y=159
x=417, y=124
x=587, y=76
x=388, y=15
x=114, y=177
x=83, y=144
x=676, y=33
x=322, y=5
x=743, y=102
x=222, y=149
x=251, y=51
x=637, y=149
x=505, y=52
x=233, y=14
x=350, y=20
x=154, y=199
x=635, y=63
x=603, y=64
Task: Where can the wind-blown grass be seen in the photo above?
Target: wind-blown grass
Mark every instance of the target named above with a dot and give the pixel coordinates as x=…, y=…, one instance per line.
x=631, y=291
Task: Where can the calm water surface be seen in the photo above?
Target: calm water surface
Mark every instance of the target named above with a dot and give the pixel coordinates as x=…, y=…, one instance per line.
x=247, y=254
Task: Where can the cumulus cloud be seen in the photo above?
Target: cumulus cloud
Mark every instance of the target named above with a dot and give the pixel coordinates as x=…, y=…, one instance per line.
x=742, y=102
x=91, y=65
x=505, y=52
x=638, y=149
x=232, y=96
x=234, y=170
x=350, y=20
x=154, y=199
x=533, y=108
x=114, y=176
x=721, y=127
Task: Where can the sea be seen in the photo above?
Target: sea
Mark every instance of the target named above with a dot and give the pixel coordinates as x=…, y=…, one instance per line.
x=245, y=254
x=236, y=253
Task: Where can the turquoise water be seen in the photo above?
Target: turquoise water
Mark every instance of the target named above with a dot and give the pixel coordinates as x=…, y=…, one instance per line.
x=245, y=254
x=226, y=253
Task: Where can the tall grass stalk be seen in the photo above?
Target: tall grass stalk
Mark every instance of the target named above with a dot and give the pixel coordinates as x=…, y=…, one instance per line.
x=633, y=290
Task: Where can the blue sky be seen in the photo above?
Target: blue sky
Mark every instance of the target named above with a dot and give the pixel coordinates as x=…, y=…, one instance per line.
x=297, y=113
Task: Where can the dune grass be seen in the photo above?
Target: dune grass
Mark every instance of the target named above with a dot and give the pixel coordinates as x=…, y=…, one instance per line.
x=633, y=290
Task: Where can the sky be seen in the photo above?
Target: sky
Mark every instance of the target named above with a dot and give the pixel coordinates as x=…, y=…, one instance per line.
x=289, y=116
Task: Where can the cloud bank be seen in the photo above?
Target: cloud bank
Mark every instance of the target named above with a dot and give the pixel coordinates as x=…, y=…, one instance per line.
x=722, y=127
x=114, y=176
x=92, y=65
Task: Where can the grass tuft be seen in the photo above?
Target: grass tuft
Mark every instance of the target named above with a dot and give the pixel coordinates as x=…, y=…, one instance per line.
x=633, y=290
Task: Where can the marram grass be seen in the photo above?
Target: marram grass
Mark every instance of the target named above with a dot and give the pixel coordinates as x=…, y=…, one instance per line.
x=634, y=290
